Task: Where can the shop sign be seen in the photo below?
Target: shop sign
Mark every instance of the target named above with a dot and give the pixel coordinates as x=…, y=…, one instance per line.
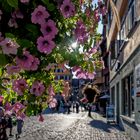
x=110, y=113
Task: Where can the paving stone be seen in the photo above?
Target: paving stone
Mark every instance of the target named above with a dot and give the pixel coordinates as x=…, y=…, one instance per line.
x=70, y=127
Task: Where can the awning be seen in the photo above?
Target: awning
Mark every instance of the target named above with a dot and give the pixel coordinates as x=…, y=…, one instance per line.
x=105, y=97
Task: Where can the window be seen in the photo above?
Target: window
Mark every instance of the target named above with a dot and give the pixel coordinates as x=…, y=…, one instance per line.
x=58, y=70
x=61, y=77
x=128, y=96
x=58, y=77
x=112, y=47
x=109, y=18
x=131, y=17
x=117, y=46
x=113, y=95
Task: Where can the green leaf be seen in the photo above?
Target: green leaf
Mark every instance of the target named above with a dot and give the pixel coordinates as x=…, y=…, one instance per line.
x=9, y=35
x=1, y=72
x=32, y=28
x=50, y=6
x=6, y=6
x=24, y=43
x=46, y=2
x=3, y=60
x=13, y=3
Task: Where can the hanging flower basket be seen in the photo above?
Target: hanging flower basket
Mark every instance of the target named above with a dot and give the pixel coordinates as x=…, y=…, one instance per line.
x=91, y=92
x=38, y=34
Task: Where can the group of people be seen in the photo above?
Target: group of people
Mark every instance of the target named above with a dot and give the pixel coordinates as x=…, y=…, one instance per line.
x=7, y=120
x=69, y=105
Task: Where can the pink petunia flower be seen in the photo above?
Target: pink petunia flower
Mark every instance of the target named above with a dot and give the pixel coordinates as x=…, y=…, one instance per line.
x=93, y=50
x=20, y=115
x=41, y=118
x=37, y=88
x=53, y=103
x=103, y=11
x=76, y=68
x=45, y=44
x=8, y=106
x=81, y=34
x=100, y=3
x=67, y=9
x=12, y=23
x=88, y=12
x=17, y=14
x=97, y=15
x=34, y=64
x=24, y=1
x=81, y=75
x=39, y=15
x=9, y=46
x=51, y=91
x=25, y=61
x=19, y=86
x=18, y=107
x=12, y=69
x=1, y=98
x=91, y=75
x=49, y=28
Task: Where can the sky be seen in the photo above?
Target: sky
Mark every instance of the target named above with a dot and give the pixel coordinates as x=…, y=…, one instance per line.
x=100, y=27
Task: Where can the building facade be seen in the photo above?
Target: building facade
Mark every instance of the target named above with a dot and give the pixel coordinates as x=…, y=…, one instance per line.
x=124, y=64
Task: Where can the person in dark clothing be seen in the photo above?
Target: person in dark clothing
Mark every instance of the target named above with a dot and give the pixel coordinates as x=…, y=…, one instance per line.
x=9, y=124
x=20, y=123
x=3, y=125
x=89, y=110
x=74, y=106
x=58, y=106
x=68, y=106
x=77, y=107
x=59, y=98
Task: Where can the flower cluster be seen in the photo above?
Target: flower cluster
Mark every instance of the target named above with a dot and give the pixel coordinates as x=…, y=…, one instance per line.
x=11, y=69
x=49, y=30
x=9, y=46
x=19, y=86
x=81, y=34
x=81, y=74
x=67, y=8
x=35, y=38
x=51, y=101
x=37, y=88
x=27, y=61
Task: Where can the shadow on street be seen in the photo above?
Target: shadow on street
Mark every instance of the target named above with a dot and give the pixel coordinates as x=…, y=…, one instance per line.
x=99, y=124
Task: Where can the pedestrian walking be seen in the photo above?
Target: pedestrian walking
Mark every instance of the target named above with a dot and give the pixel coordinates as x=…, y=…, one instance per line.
x=59, y=98
x=89, y=110
x=74, y=106
x=9, y=123
x=68, y=106
x=77, y=107
x=3, y=125
x=20, y=123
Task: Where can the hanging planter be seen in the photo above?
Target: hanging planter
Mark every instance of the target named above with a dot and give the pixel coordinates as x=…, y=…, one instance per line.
x=91, y=92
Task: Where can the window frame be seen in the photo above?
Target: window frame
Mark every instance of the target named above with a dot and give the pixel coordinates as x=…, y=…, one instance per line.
x=127, y=97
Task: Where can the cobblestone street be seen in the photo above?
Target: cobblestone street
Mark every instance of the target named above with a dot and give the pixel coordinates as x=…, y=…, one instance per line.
x=70, y=127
